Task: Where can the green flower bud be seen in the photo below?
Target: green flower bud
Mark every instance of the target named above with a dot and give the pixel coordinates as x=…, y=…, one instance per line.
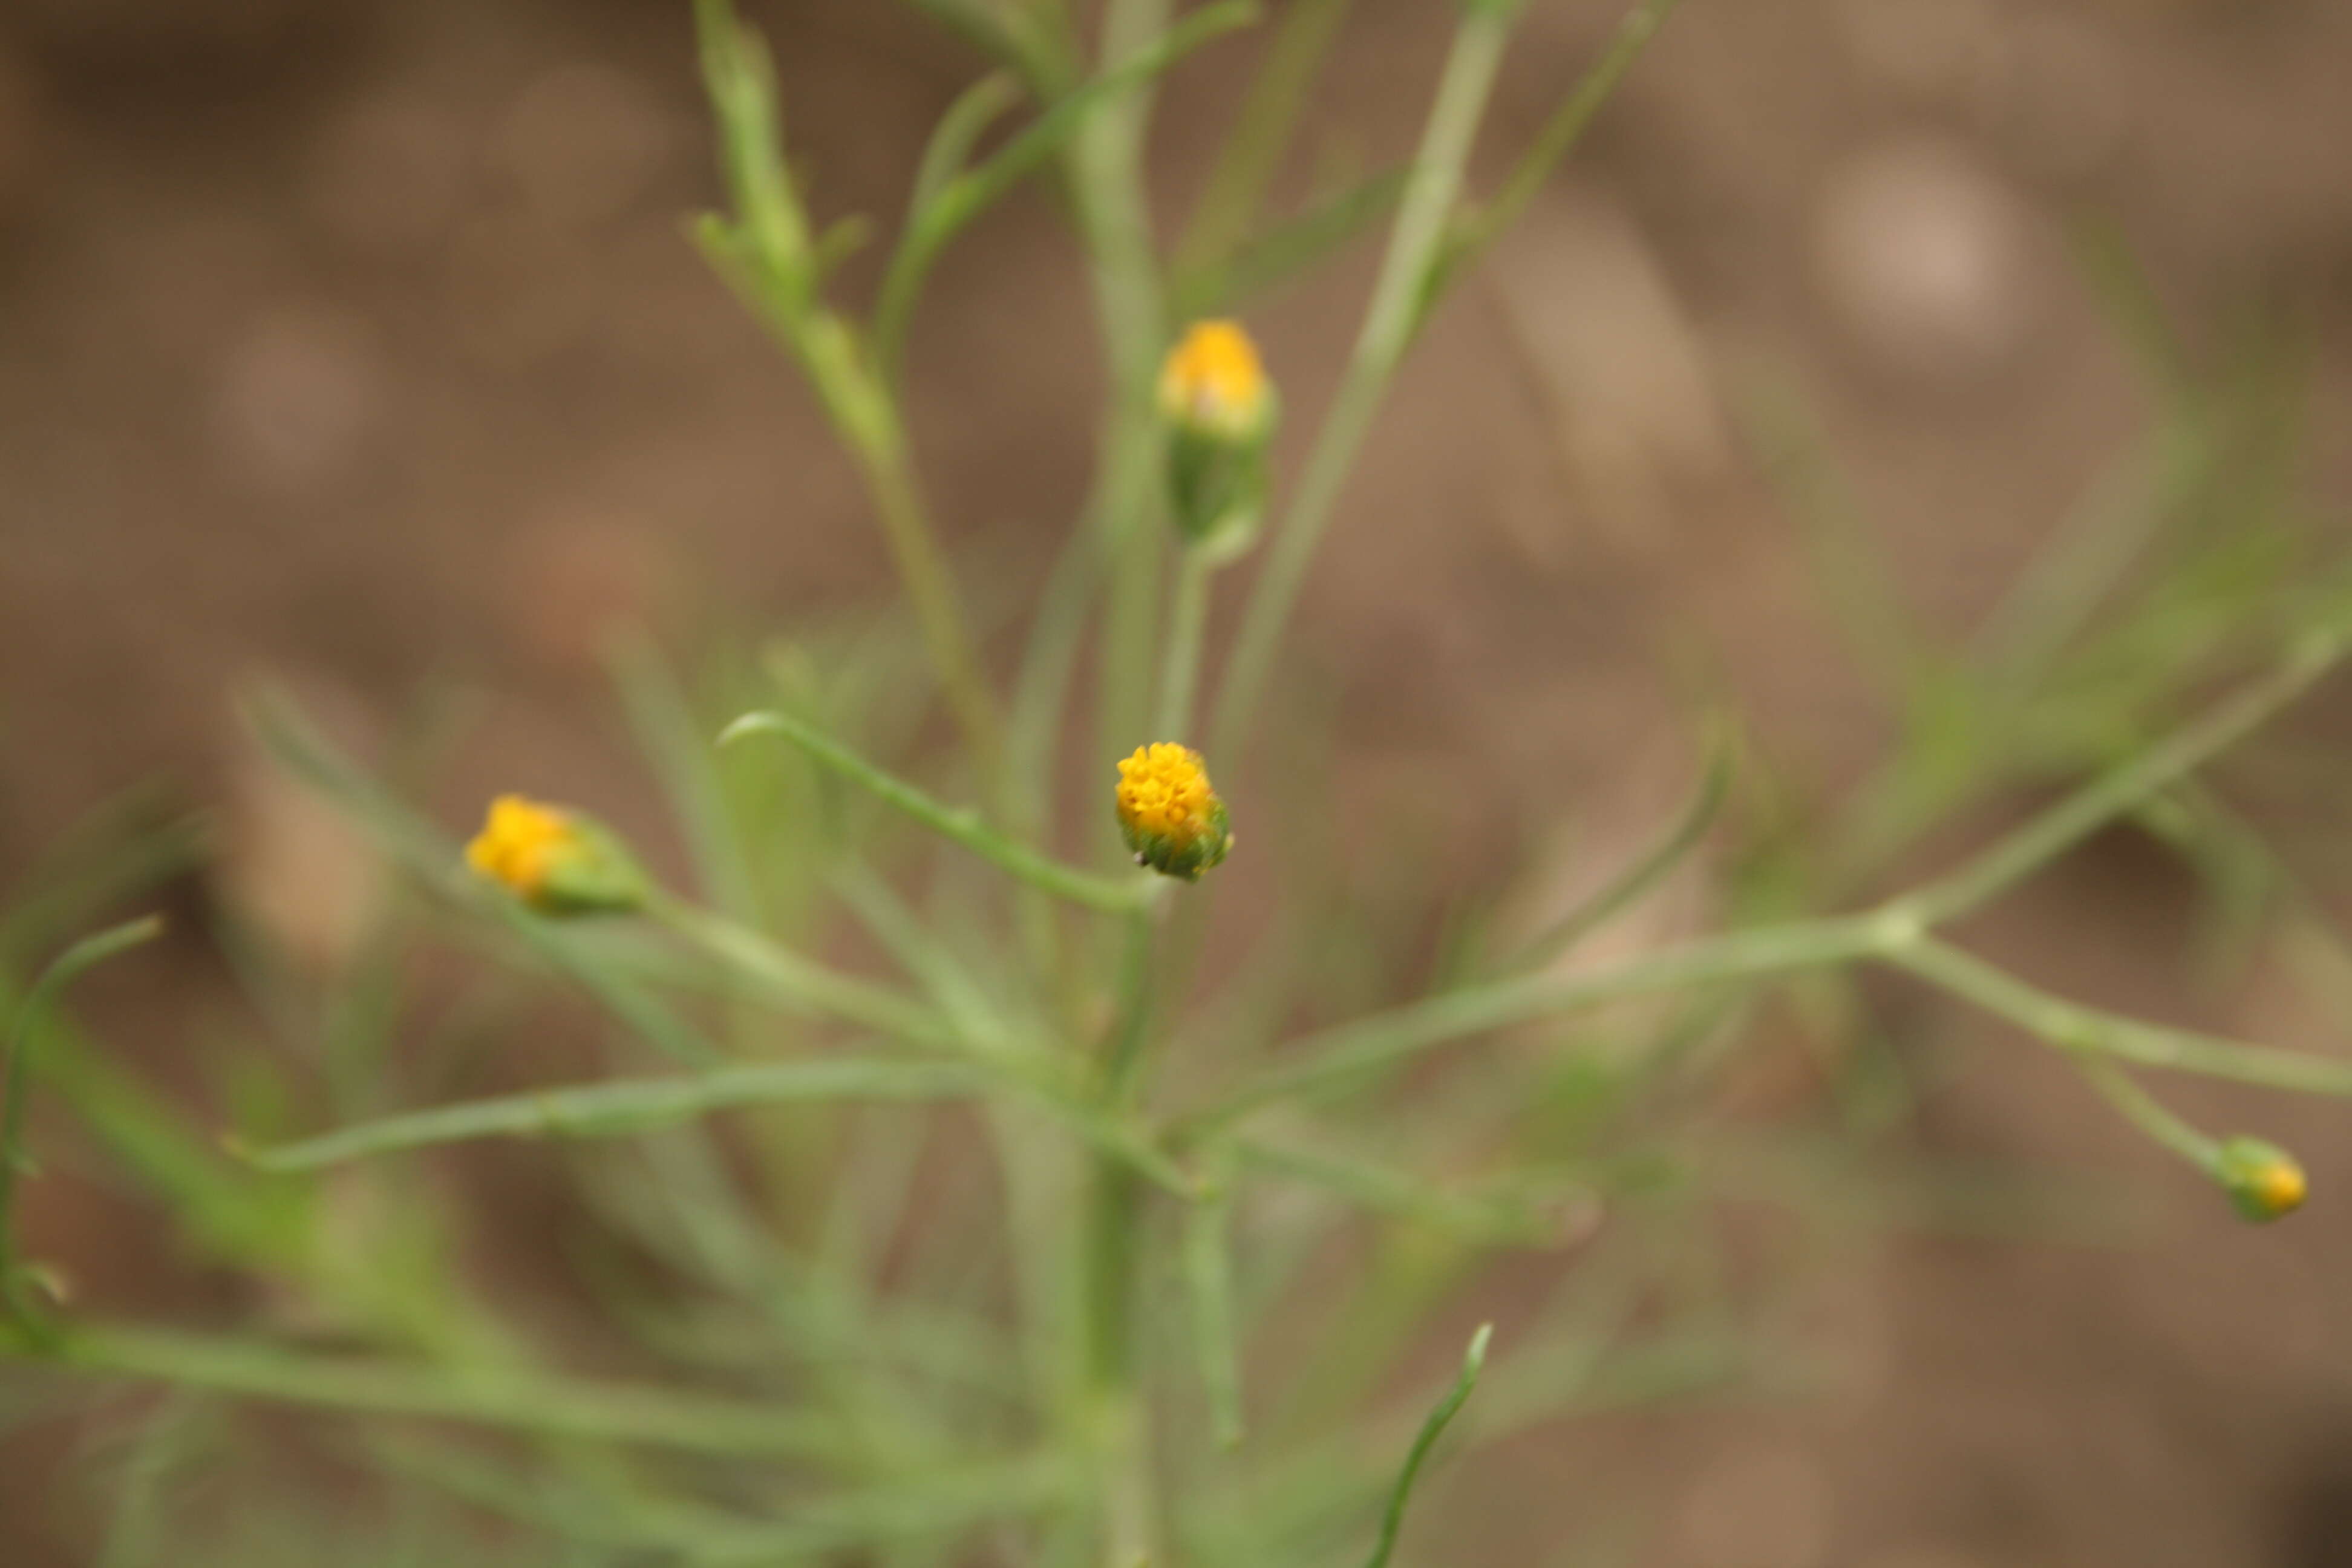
x=2262, y=1180
x=1220, y=413
x=556, y=861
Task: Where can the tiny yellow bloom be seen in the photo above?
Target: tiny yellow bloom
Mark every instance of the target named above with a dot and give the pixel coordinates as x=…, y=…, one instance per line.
x=555, y=860
x=1169, y=812
x=2262, y=1180
x=1212, y=382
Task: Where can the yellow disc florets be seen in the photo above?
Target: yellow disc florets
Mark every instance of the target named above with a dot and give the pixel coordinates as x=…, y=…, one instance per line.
x=518, y=843
x=555, y=859
x=1169, y=812
x=1212, y=382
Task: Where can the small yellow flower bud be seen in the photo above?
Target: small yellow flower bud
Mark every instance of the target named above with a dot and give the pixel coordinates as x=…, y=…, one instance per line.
x=555, y=860
x=1221, y=412
x=1169, y=813
x=2262, y=1179
x=1212, y=382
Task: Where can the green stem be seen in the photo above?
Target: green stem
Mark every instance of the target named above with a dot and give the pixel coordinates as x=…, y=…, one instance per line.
x=1335, y=1060
x=619, y=1107
x=2145, y=1112
x=1107, y=180
x=15, y=1071
x=1414, y=246
x=2087, y=1031
x=1116, y=895
x=799, y=983
x=1188, y=619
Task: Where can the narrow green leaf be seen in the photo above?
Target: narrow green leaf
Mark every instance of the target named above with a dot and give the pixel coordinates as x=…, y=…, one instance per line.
x=1471, y=1362
x=69, y=966
x=1487, y=1221
x=972, y=193
x=958, y=130
x=1650, y=868
x=1553, y=144
x=1288, y=248
x=1262, y=134
x=626, y=1107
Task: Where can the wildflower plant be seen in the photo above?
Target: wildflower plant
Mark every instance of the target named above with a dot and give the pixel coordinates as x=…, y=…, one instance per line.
x=865, y=1352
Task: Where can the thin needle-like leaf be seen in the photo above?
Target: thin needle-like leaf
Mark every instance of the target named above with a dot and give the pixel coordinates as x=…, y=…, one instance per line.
x=1394, y=1518
x=1646, y=872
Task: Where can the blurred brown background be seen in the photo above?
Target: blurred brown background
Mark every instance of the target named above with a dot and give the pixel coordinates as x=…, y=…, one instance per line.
x=358, y=343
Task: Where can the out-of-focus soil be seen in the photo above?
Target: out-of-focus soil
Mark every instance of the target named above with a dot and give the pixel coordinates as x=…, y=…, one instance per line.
x=359, y=342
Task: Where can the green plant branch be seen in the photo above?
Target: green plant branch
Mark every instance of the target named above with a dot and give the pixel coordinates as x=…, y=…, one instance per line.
x=2081, y=1030
x=1646, y=872
x=1338, y=1057
x=2148, y=1114
x=2029, y=849
x=1188, y=620
x=801, y=983
x=621, y=1108
x=965, y=827
x=1389, y=321
x=956, y=200
x=767, y=256
x=1557, y=138
x=1046, y=64
x=1484, y=1221
x=1253, y=151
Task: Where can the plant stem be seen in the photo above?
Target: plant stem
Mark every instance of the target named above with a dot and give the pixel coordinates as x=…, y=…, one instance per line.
x=800, y=982
x=1188, y=619
x=1414, y=246
x=1113, y=896
x=2145, y=1112
x=1107, y=180
x=2087, y=1031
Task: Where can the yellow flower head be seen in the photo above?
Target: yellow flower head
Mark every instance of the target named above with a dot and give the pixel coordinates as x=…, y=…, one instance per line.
x=1169, y=811
x=554, y=860
x=1212, y=382
x=2262, y=1180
